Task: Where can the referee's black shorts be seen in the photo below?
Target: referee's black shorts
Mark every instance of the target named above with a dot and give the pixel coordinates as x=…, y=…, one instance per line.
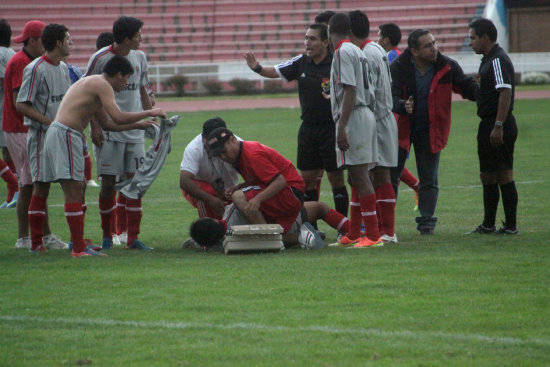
x=492, y=159
x=317, y=147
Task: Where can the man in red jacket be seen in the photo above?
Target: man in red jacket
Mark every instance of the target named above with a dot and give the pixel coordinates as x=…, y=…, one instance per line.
x=422, y=83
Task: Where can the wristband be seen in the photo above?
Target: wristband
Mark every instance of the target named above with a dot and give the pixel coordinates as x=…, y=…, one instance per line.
x=498, y=123
x=257, y=69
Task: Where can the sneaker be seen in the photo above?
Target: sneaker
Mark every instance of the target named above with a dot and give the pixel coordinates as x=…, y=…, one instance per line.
x=23, y=242
x=366, y=242
x=106, y=243
x=116, y=240
x=13, y=202
x=415, y=202
x=4, y=205
x=389, y=239
x=40, y=248
x=481, y=229
x=507, y=231
x=91, y=183
x=123, y=237
x=87, y=252
x=54, y=243
x=138, y=245
x=309, y=237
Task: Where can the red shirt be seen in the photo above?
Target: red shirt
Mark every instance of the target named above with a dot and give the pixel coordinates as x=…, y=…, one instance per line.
x=12, y=121
x=260, y=165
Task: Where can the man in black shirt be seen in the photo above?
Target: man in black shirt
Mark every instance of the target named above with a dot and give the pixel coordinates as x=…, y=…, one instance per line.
x=316, y=138
x=497, y=131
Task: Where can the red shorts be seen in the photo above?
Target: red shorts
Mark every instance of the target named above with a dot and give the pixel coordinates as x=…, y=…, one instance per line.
x=202, y=207
x=282, y=208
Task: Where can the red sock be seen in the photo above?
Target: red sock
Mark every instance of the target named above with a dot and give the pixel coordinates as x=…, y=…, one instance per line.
x=385, y=207
x=133, y=216
x=87, y=167
x=11, y=181
x=106, y=209
x=114, y=217
x=75, y=219
x=11, y=165
x=408, y=178
x=121, y=216
x=337, y=221
x=355, y=218
x=318, y=185
x=37, y=215
x=368, y=212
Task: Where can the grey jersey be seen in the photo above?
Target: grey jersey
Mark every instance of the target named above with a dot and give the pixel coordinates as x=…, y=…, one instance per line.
x=379, y=70
x=5, y=56
x=154, y=160
x=43, y=86
x=349, y=66
x=129, y=99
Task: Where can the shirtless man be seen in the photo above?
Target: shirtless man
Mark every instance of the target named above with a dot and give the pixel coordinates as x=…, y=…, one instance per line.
x=89, y=97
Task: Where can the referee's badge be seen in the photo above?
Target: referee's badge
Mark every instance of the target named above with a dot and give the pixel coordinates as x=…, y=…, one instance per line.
x=325, y=84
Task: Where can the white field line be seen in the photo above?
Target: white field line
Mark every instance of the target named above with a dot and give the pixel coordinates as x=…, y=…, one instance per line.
x=275, y=328
x=402, y=187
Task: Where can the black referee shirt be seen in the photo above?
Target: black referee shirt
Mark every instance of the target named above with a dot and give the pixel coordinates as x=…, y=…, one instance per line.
x=312, y=80
x=495, y=72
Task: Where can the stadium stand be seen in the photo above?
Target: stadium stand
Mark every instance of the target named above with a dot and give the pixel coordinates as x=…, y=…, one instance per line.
x=198, y=31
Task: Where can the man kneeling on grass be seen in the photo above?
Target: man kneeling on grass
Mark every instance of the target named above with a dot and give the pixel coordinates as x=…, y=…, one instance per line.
x=209, y=232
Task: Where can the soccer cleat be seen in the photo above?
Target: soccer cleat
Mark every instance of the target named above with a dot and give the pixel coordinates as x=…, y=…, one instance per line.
x=389, y=239
x=507, y=231
x=4, y=205
x=138, y=245
x=346, y=241
x=87, y=252
x=309, y=237
x=366, y=242
x=116, y=240
x=40, y=248
x=106, y=243
x=91, y=183
x=54, y=243
x=23, y=242
x=481, y=229
x=415, y=201
x=88, y=244
x=123, y=237
x=13, y=202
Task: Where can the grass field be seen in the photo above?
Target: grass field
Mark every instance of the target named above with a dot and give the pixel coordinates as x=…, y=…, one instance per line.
x=444, y=300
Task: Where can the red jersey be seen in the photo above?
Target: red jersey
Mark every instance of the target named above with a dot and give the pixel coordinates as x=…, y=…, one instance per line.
x=12, y=121
x=260, y=165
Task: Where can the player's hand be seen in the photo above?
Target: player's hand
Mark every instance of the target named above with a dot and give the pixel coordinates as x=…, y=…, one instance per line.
x=250, y=60
x=229, y=192
x=217, y=205
x=157, y=112
x=97, y=136
x=325, y=96
x=497, y=137
x=409, y=105
x=143, y=124
x=342, y=139
x=252, y=206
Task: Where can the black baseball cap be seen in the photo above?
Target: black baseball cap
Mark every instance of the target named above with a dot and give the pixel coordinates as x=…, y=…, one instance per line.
x=217, y=140
x=211, y=125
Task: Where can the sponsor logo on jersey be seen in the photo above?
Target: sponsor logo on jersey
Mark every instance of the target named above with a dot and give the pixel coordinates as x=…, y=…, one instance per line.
x=57, y=98
x=131, y=86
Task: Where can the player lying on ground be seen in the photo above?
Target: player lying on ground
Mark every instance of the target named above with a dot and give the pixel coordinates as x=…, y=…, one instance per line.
x=208, y=232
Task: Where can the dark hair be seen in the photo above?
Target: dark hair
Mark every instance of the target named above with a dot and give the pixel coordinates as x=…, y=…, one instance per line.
x=118, y=64
x=412, y=40
x=126, y=27
x=484, y=26
x=211, y=125
x=340, y=24
x=104, y=39
x=207, y=232
x=321, y=28
x=5, y=33
x=51, y=34
x=324, y=16
x=392, y=31
x=360, y=25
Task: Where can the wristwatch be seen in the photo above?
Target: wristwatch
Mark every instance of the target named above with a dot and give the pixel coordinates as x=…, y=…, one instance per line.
x=498, y=123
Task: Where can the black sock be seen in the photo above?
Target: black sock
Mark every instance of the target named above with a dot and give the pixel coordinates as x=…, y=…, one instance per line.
x=510, y=203
x=341, y=200
x=311, y=195
x=491, y=196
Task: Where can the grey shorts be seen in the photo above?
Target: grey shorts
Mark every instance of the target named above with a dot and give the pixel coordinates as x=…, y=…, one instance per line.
x=63, y=158
x=386, y=134
x=35, y=151
x=2, y=140
x=118, y=158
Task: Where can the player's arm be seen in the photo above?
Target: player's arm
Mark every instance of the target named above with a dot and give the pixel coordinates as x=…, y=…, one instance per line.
x=347, y=107
x=27, y=110
x=145, y=99
x=187, y=185
x=276, y=185
x=254, y=65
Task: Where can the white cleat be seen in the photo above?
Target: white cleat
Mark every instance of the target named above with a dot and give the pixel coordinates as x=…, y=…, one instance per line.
x=389, y=239
x=116, y=240
x=53, y=243
x=23, y=242
x=92, y=183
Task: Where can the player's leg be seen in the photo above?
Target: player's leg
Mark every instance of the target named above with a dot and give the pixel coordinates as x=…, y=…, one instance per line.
x=241, y=202
x=397, y=171
x=37, y=213
x=134, y=157
x=204, y=210
x=320, y=210
x=385, y=202
x=11, y=182
x=359, y=178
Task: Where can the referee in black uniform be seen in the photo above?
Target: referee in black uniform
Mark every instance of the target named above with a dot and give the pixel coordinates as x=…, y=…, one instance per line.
x=497, y=131
x=316, y=138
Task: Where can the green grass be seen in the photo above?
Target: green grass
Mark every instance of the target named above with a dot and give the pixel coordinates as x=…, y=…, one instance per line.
x=445, y=300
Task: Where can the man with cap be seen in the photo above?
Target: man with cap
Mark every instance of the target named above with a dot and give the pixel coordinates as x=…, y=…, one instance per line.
x=15, y=132
x=204, y=179
x=281, y=188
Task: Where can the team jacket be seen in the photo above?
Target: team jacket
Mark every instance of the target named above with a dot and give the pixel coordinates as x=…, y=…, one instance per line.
x=448, y=78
